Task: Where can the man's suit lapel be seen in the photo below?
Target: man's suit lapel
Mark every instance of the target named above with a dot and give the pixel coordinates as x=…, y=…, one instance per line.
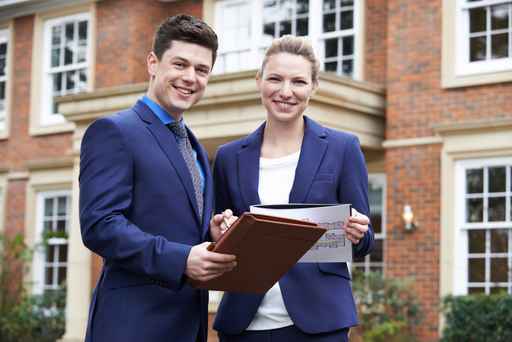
x=170, y=147
x=248, y=167
x=312, y=152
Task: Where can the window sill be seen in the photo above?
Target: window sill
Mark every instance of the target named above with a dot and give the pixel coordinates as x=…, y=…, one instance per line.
x=66, y=127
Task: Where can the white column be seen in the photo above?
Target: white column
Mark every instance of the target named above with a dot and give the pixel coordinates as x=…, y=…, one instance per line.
x=79, y=272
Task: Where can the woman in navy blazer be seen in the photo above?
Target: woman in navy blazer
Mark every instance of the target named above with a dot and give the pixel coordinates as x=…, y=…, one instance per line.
x=291, y=158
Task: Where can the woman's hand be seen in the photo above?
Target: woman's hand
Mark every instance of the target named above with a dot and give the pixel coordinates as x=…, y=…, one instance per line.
x=356, y=226
x=220, y=223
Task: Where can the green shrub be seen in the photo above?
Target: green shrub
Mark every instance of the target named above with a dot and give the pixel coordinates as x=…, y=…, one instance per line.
x=25, y=317
x=479, y=318
x=388, y=310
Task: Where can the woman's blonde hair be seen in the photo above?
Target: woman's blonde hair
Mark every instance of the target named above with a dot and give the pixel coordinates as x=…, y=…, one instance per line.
x=298, y=46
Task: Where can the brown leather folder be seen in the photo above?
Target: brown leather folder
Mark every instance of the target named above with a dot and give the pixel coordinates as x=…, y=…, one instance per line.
x=266, y=247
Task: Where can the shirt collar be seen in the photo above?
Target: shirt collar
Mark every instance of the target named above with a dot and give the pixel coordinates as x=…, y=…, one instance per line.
x=161, y=113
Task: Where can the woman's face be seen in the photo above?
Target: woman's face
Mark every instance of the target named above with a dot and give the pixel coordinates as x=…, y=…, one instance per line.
x=286, y=86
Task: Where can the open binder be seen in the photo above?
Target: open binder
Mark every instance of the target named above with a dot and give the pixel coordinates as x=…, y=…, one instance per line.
x=266, y=247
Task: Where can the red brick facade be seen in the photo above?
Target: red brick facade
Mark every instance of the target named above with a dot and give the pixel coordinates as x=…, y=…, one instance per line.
x=415, y=102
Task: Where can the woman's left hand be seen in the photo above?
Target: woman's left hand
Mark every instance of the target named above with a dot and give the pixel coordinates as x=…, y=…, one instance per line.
x=356, y=226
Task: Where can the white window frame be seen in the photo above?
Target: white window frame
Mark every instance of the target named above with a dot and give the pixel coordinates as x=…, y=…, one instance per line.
x=367, y=264
x=39, y=259
x=3, y=195
x=47, y=118
x=317, y=38
x=460, y=274
x=4, y=115
x=463, y=66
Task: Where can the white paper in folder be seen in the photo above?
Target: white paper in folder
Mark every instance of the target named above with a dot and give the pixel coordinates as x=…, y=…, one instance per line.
x=333, y=246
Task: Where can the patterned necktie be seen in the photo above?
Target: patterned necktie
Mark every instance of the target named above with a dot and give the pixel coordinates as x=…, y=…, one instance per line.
x=186, y=151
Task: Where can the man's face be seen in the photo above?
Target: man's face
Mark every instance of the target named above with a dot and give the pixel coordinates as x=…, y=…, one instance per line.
x=179, y=78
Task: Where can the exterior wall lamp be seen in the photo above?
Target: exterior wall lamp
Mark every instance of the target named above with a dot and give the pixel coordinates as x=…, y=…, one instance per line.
x=408, y=218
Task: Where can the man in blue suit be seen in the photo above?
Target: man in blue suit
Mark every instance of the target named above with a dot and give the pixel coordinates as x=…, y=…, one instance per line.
x=146, y=198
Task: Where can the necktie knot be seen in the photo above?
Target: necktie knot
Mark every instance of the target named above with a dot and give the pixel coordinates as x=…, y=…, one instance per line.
x=178, y=129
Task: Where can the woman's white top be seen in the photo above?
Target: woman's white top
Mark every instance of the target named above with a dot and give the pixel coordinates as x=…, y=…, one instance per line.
x=276, y=177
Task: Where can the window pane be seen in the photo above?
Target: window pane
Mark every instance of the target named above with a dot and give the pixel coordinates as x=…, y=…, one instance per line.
x=57, y=82
x=474, y=181
x=347, y=2
x=377, y=252
x=499, y=270
x=329, y=5
x=70, y=80
x=329, y=22
x=48, y=278
x=331, y=47
x=499, y=17
x=359, y=259
x=82, y=80
x=68, y=55
x=70, y=31
x=497, y=179
x=477, y=46
x=302, y=6
x=347, y=67
x=48, y=207
x=48, y=225
x=55, y=57
x=477, y=20
x=62, y=275
x=474, y=212
x=475, y=290
x=348, y=46
x=302, y=27
x=476, y=239
x=63, y=253
x=476, y=272
x=2, y=90
x=347, y=20
x=499, y=241
x=497, y=209
x=499, y=45
x=497, y=290
x=61, y=225
x=82, y=30
x=3, y=49
x=285, y=27
x=56, y=33
x=269, y=29
x=62, y=205
x=50, y=253
x=331, y=66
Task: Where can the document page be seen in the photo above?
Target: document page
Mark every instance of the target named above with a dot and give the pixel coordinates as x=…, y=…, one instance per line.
x=333, y=246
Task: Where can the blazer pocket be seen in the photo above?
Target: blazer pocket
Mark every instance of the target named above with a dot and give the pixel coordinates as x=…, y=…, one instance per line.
x=118, y=280
x=336, y=268
x=324, y=177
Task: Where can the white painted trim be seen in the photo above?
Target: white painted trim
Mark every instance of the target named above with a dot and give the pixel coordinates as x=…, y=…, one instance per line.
x=47, y=118
x=39, y=81
x=6, y=35
x=393, y=143
x=38, y=261
x=456, y=73
x=3, y=201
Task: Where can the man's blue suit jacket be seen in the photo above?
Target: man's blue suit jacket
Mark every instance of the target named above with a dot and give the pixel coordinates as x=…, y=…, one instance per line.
x=138, y=211
x=331, y=169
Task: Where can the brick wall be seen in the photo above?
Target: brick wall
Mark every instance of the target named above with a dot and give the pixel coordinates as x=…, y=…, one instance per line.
x=416, y=101
x=375, y=41
x=125, y=35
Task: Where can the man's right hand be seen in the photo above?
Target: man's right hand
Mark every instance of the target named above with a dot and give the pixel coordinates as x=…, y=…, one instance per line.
x=204, y=265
